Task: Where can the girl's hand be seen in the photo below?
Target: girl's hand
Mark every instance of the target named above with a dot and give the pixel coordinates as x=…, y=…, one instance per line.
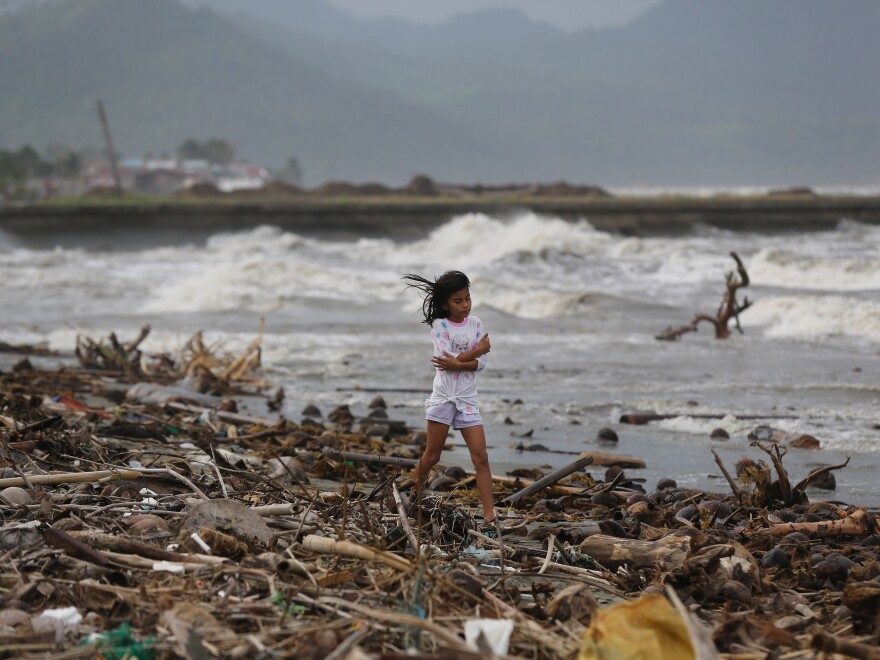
x=484, y=345
x=447, y=362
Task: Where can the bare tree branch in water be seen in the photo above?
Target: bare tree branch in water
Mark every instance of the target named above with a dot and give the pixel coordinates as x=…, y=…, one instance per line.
x=729, y=308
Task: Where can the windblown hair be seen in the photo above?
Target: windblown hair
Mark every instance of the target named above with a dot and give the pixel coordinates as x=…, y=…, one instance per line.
x=436, y=293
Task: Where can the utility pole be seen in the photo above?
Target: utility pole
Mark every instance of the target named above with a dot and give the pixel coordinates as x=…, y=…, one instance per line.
x=108, y=140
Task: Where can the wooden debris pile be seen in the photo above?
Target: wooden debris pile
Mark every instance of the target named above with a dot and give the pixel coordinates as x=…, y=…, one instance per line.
x=169, y=529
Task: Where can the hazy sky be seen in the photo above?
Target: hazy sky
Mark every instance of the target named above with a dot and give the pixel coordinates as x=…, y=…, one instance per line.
x=566, y=14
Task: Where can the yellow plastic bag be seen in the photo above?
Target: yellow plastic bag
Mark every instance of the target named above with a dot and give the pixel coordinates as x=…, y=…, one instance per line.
x=646, y=629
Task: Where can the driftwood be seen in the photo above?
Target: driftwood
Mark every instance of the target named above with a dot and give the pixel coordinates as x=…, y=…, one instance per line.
x=328, y=546
x=729, y=308
x=54, y=479
x=549, y=480
x=606, y=459
x=857, y=523
x=666, y=554
x=830, y=644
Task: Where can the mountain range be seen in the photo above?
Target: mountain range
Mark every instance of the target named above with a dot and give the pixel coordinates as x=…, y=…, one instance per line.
x=706, y=92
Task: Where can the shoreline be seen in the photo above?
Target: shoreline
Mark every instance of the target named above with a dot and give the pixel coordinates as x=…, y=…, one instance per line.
x=263, y=532
x=399, y=216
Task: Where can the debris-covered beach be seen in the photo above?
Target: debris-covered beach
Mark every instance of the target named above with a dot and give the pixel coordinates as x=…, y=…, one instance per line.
x=145, y=516
x=188, y=480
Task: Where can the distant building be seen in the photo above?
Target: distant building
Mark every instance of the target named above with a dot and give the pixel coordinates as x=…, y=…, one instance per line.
x=162, y=176
x=242, y=176
x=159, y=181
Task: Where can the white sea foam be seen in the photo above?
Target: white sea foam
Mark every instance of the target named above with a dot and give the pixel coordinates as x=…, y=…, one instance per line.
x=475, y=239
x=815, y=317
x=783, y=268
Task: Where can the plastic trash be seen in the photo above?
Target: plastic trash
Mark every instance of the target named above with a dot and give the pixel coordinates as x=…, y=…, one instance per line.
x=646, y=629
x=496, y=632
x=169, y=566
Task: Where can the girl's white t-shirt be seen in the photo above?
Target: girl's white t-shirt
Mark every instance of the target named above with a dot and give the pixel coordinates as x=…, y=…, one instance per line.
x=458, y=387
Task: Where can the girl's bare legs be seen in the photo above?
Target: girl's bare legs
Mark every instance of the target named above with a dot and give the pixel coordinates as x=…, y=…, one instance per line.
x=475, y=437
x=437, y=433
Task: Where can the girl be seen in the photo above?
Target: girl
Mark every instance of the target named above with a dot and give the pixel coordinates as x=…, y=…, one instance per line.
x=460, y=348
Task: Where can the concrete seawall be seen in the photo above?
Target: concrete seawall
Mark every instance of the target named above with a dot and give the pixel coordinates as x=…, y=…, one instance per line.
x=628, y=216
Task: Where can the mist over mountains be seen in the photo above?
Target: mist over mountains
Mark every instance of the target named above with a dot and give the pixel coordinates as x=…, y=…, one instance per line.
x=690, y=93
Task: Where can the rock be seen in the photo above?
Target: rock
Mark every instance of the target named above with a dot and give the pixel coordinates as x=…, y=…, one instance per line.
x=509, y=421
x=145, y=523
x=612, y=473
x=834, y=567
x=378, y=413
x=806, y=442
x=456, y=472
x=575, y=603
x=16, y=496
x=22, y=365
x=735, y=591
x=377, y=402
x=871, y=542
x=607, y=435
x=443, y=484
x=719, y=433
x=826, y=481
x=776, y=558
x=311, y=410
x=666, y=483
x=228, y=516
x=341, y=415
x=466, y=582
x=286, y=469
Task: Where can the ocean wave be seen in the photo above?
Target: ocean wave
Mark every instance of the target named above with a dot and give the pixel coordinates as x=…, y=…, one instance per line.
x=476, y=238
x=783, y=268
x=815, y=317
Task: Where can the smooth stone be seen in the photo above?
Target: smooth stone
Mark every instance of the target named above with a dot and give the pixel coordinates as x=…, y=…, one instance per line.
x=17, y=496
x=776, y=558
x=311, y=410
x=377, y=402
x=607, y=435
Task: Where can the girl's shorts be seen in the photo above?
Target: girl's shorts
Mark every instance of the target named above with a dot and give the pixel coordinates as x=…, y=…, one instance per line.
x=447, y=413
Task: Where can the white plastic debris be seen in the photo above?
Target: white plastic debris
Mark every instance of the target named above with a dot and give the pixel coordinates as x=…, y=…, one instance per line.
x=68, y=616
x=169, y=566
x=496, y=632
x=198, y=539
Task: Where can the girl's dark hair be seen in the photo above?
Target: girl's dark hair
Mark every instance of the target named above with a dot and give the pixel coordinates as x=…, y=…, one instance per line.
x=437, y=293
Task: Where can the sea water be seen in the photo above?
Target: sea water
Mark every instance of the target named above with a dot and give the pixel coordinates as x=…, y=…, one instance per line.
x=572, y=313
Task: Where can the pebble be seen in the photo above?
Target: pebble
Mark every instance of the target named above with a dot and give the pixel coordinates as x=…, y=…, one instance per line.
x=607, y=435
x=776, y=558
x=17, y=496
x=311, y=410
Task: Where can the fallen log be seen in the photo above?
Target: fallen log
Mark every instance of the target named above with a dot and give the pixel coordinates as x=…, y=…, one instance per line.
x=327, y=546
x=830, y=644
x=666, y=554
x=53, y=479
x=606, y=459
x=549, y=480
x=858, y=523
x=129, y=546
